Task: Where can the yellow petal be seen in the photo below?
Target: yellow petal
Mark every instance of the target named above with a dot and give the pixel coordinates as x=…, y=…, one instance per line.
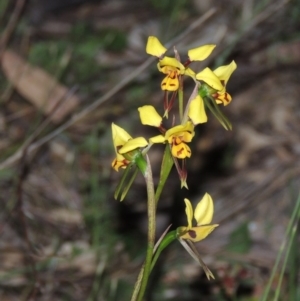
x=224, y=72
x=119, y=157
x=200, y=53
x=186, y=130
x=189, y=72
x=116, y=164
x=210, y=78
x=170, y=83
x=133, y=144
x=196, y=234
x=168, y=64
x=204, y=210
x=119, y=135
x=188, y=135
x=154, y=47
x=149, y=116
x=157, y=139
x=224, y=98
x=189, y=212
x=181, y=150
x=197, y=110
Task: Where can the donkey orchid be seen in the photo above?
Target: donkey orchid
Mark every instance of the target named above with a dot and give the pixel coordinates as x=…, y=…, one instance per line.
x=124, y=144
x=203, y=215
x=217, y=80
x=172, y=67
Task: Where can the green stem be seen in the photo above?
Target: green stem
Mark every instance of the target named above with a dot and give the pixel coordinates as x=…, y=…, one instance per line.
x=289, y=247
x=180, y=98
x=137, y=285
x=142, y=284
x=282, y=248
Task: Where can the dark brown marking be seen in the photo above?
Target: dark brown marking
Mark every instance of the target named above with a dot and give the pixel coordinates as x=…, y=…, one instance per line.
x=192, y=233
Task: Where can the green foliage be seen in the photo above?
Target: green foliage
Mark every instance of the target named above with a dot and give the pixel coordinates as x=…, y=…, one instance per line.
x=91, y=144
x=6, y=174
x=84, y=44
x=97, y=215
x=240, y=240
x=96, y=212
x=169, y=6
x=135, y=94
x=3, y=6
x=286, y=254
x=110, y=39
x=47, y=54
x=174, y=12
x=3, y=85
x=113, y=40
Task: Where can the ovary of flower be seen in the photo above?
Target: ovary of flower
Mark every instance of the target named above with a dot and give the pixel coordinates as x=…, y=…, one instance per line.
x=203, y=215
x=177, y=137
x=218, y=79
x=149, y=116
x=124, y=143
x=172, y=67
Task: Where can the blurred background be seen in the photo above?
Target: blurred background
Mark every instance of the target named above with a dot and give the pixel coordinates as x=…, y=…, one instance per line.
x=69, y=69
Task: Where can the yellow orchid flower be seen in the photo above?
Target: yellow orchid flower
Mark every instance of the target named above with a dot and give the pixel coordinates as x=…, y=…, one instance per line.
x=203, y=215
x=177, y=137
x=217, y=80
x=173, y=70
x=224, y=73
x=172, y=67
x=123, y=144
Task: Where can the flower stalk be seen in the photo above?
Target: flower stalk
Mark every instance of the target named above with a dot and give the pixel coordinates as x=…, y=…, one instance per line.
x=151, y=206
x=131, y=153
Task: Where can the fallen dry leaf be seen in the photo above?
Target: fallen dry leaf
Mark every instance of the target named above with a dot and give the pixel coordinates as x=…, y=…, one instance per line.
x=38, y=87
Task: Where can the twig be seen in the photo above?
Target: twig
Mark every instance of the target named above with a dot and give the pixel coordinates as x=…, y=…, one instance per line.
x=268, y=186
x=7, y=33
x=23, y=173
x=266, y=13
x=11, y=25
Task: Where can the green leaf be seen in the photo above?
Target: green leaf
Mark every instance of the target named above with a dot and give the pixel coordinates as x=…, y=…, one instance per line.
x=205, y=93
x=228, y=125
x=240, y=240
x=214, y=108
x=126, y=189
x=166, y=167
x=171, y=236
x=130, y=168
